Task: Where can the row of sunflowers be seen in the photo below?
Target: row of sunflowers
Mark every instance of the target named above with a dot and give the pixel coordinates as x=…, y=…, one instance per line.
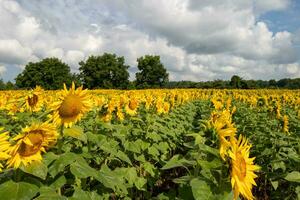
x=41, y=127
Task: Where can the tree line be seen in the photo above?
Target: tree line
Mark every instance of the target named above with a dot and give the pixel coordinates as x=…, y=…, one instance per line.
x=109, y=71
x=237, y=82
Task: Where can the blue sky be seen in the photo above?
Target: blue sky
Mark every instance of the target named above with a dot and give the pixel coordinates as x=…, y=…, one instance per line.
x=197, y=40
x=284, y=20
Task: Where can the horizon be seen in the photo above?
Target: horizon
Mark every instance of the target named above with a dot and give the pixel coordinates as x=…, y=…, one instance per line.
x=210, y=40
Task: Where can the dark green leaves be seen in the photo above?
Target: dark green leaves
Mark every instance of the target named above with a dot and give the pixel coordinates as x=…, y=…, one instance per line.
x=17, y=191
x=177, y=161
x=293, y=177
x=36, y=168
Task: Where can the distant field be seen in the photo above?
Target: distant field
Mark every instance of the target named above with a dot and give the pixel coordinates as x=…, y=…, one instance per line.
x=143, y=144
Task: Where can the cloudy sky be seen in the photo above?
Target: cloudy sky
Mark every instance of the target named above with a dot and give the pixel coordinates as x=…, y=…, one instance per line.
x=196, y=39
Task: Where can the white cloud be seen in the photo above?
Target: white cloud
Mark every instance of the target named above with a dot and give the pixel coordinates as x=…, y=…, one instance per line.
x=11, y=51
x=267, y=5
x=73, y=57
x=197, y=40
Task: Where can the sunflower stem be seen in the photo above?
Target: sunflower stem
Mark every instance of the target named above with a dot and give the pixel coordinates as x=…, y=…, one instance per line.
x=17, y=175
x=60, y=141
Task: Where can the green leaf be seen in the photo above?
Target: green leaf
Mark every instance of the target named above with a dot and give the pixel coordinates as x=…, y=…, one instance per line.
x=154, y=136
x=81, y=195
x=274, y=184
x=279, y=165
x=226, y=196
x=209, y=149
x=298, y=192
x=75, y=132
x=176, y=161
x=123, y=156
x=82, y=170
x=49, y=157
x=63, y=161
x=131, y=175
x=149, y=168
x=294, y=176
x=17, y=191
x=110, y=179
x=200, y=189
x=153, y=151
x=59, y=182
x=131, y=146
x=49, y=193
x=216, y=163
x=36, y=168
x=140, y=182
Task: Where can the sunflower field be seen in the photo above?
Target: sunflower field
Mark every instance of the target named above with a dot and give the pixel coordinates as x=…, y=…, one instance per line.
x=149, y=144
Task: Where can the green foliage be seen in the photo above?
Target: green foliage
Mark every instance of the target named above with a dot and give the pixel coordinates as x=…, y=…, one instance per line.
x=152, y=72
x=105, y=71
x=6, y=86
x=15, y=191
x=236, y=82
x=172, y=156
x=2, y=85
x=50, y=73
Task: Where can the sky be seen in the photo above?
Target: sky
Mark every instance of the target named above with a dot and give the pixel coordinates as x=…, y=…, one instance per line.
x=197, y=40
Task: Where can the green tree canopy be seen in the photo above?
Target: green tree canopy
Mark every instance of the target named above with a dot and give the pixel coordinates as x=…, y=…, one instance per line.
x=105, y=71
x=236, y=82
x=2, y=85
x=152, y=72
x=50, y=73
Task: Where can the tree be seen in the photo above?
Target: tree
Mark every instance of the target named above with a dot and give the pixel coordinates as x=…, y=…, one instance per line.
x=152, y=72
x=50, y=73
x=106, y=71
x=236, y=82
x=272, y=83
x=9, y=86
x=2, y=85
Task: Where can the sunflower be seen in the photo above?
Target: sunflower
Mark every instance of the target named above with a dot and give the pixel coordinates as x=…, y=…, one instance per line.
x=225, y=136
x=242, y=168
x=120, y=113
x=4, y=146
x=218, y=104
x=30, y=144
x=285, y=127
x=132, y=106
x=166, y=107
x=148, y=102
x=34, y=100
x=71, y=106
x=107, y=117
x=159, y=105
x=220, y=120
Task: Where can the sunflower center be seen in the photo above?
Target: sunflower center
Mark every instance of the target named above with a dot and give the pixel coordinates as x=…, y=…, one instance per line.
x=70, y=107
x=242, y=167
x=133, y=104
x=32, y=101
x=36, y=138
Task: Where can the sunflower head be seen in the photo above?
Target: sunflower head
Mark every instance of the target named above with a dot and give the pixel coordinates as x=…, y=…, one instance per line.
x=30, y=143
x=166, y=107
x=120, y=113
x=132, y=106
x=285, y=127
x=4, y=146
x=71, y=106
x=34, y=100
x=242, y=168
x=225, y=136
